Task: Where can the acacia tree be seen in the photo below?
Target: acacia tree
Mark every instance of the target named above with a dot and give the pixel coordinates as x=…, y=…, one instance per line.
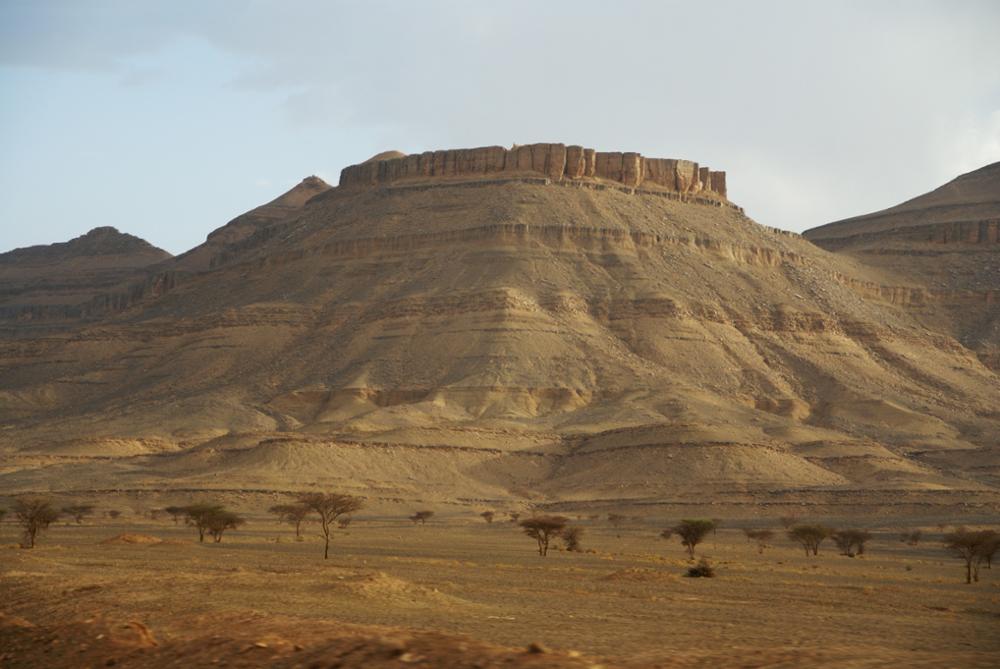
x=198, y=515
x=293, y=514
x=974, y=547
x=34, y=514
x=176, y=512
x=810, y=536
x=692, y=533
x=78, y=511
x=965, y=544
x=990, y=546
x=851, y=542
x=218, y=522
x=421, y=517
x=542, y=529
x=762, y=537
x=329, y=507
x=571, y=536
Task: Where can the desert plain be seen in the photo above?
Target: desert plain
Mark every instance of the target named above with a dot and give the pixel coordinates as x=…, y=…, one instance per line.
x=460, y=592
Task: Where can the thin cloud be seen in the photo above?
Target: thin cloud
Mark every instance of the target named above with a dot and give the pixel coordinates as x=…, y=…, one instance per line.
x=817, y=111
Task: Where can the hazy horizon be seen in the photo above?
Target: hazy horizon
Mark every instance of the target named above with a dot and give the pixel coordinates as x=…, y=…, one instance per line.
x=167, y=120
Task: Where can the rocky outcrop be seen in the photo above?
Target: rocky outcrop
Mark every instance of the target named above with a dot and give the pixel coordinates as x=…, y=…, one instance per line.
x=557, y=162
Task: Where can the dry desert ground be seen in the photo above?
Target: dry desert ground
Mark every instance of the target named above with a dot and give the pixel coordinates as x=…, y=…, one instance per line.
x=458, y=592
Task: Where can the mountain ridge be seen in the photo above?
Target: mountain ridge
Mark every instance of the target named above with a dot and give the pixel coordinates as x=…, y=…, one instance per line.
x=102, y=240
x=944, y=244
x=518, y=338
x=52, y=286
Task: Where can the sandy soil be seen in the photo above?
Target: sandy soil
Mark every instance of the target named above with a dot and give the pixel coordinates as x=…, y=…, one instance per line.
x=457, y=593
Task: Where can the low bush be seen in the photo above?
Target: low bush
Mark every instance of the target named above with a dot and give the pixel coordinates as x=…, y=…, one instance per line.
x=703, y=569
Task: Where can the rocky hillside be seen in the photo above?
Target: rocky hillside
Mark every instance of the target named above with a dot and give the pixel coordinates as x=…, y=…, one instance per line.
x=944, y=246
x=249, y=229
x=46, y=285
x=553, y=336
x=67, y=285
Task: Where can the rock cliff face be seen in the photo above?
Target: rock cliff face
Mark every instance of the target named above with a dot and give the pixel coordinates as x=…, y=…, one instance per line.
x=555, y=161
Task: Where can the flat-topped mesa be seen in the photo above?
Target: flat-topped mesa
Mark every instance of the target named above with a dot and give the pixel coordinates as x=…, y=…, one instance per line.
x=555, y=161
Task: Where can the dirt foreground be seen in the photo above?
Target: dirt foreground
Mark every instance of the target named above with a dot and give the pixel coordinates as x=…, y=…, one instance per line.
x=457, y=594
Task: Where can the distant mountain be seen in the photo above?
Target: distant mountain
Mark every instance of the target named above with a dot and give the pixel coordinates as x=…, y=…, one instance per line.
x=543, y=324
x=99, y=242
x=64, y=285
x=250, y=228
x=55, y=283
x=943, y=248
x=951, y=213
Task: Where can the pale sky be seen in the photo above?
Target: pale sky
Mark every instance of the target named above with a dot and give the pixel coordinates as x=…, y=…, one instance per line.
x=167, y=119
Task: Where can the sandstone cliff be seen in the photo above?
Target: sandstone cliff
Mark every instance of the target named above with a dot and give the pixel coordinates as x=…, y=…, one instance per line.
x=557, y=162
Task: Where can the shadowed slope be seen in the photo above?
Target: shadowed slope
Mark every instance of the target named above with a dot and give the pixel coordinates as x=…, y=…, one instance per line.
x=57, y=282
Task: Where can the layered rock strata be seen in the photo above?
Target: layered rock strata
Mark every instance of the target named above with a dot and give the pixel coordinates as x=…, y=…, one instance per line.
x=946, y=243
x=68, y=280
x=556, y=161
x=493, y=338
